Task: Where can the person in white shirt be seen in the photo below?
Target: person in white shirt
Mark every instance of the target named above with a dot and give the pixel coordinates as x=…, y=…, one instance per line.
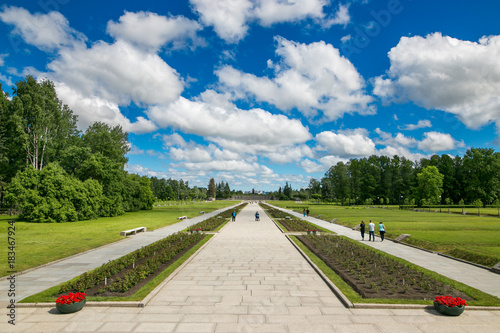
x=371, y=231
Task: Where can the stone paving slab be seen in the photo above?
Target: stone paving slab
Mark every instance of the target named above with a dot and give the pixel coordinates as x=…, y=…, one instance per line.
x=245, y=256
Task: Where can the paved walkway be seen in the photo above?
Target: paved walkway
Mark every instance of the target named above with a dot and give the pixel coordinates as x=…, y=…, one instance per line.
x=248, y=278
x=473, y=276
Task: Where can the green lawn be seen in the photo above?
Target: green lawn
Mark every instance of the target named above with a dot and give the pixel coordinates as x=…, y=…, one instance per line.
x=40, y=243
x=476, y=238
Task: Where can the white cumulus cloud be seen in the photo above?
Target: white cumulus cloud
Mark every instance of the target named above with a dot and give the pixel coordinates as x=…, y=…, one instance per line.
x=152, y=31
x=230, y=19
x=254, y=126
x=310, y=77
x=48, y=32
x=347, y=144
x=435, y=141
x=448, y=74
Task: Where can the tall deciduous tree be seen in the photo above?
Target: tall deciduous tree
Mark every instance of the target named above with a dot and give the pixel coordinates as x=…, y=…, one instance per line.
x=430, y=184
x=482, y=169
x=111, y=142
x=44, y=124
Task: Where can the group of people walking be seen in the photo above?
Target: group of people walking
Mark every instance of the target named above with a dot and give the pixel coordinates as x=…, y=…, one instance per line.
x=371, y=230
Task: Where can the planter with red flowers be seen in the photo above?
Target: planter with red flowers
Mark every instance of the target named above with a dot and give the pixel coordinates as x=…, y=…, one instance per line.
x=71, y=303
x=450, y=306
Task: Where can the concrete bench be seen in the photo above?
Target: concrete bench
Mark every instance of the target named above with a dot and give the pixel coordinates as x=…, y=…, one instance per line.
x=464, y=213
x=132, y=231
x=182, y=217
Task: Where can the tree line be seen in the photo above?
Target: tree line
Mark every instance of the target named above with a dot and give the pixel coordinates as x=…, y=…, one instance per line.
x=52, y=172
x=471, y=179
x=171, y=189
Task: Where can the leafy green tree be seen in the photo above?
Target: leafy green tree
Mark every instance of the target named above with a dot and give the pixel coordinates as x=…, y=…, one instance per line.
x=110, y=142
x=51, y=195
x=478, y=204
x=339, y=179
x=45, y=126
x=429, y=185
x=4, y=103
x=482, y=172
x=287, y=191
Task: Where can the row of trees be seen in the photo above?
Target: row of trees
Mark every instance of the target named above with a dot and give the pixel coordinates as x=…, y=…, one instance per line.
x=473, y=178
x=50, y=171
x=171, y=189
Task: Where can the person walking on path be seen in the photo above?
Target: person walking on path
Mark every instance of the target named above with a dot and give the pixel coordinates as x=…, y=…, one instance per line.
x=362, y=229
x=234, y=216
x=371, y=231
x=307, y=212
x=381, y=229
x=257, y=217
x=304, y=212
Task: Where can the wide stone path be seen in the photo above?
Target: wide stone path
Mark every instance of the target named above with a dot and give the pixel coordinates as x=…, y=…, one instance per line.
x=248, y=278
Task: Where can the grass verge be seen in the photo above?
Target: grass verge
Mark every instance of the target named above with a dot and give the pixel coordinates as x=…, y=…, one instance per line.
x=47, y=295
x=481, y=298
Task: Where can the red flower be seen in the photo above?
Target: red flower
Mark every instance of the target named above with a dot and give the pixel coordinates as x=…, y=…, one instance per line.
x=71, y=298
x=450, y=301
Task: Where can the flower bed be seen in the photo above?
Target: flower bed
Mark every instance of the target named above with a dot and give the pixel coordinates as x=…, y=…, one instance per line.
x=214, y=222
x=373, y=275
x=288, y=222
x=124, y=276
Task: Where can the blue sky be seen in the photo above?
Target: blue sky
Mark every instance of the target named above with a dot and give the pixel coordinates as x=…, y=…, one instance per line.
x=262, y=92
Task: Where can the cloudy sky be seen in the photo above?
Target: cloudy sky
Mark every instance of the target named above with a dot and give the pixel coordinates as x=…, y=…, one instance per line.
x=260, y=92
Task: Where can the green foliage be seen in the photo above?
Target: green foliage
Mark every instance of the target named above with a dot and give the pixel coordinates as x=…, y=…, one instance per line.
x=38, y=132
x=211, y=189
x=51, y=195
x=396, y=180
x=429, y=185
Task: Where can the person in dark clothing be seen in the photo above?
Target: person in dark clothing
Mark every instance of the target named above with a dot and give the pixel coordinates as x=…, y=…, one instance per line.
x=362, y=229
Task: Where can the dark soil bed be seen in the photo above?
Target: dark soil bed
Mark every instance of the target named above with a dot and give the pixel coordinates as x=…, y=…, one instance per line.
x=373, y=275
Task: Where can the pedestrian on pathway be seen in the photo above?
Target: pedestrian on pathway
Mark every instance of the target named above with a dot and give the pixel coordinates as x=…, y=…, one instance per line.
x=371, y=231
x=234, y=216
x=381, y=229
x=307, y=212
x=362, y=228
x=257, y=217
x=304, y=212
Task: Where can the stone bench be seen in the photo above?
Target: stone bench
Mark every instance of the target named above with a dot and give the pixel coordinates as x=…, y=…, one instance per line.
x=132, y=231
x=182, y=217
x=401, y=237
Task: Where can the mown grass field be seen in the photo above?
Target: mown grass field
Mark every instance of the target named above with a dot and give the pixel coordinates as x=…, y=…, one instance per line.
x=40, y=243
x=468, y=237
